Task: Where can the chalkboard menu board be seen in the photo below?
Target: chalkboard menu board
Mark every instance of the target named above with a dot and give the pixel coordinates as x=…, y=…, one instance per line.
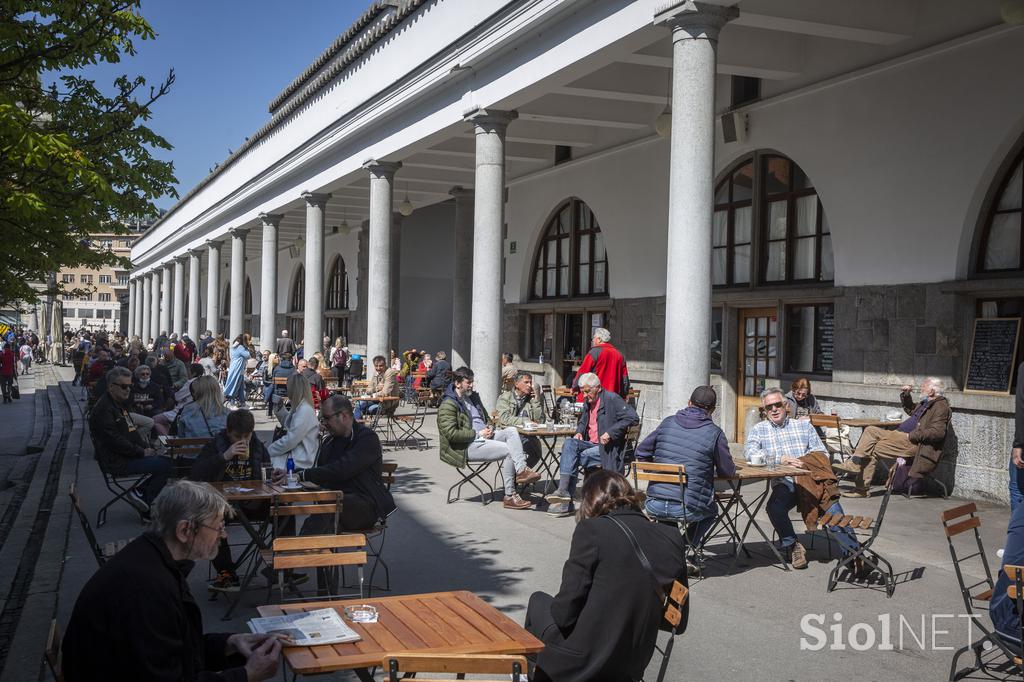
x=824, y=337
x=993, y=355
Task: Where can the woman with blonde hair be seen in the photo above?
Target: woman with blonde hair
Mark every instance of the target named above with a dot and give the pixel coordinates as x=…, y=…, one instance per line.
x=302, y=428
x=206, y=415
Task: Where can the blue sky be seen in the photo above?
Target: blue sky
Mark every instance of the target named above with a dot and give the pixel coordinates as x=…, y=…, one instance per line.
x=230, y=58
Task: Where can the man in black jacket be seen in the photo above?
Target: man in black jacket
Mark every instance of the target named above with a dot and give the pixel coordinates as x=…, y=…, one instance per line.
x=136, y=618
x=350, y=460
x=120, y=448
x=599, y=441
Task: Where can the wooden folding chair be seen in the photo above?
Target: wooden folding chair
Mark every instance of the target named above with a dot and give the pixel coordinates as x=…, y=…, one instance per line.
x=976, y=595
x=830, y=421
x=103, y=552
x=675, y=623
x=861, y=526
x=184, y=451
x=120, y=486
x=323, y=505
x=52, y=652
x=376, y=535
x=326, y=554
x=402, y=665
x=673, y=474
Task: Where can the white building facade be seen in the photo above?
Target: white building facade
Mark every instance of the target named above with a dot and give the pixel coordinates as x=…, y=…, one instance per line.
x=742, y=194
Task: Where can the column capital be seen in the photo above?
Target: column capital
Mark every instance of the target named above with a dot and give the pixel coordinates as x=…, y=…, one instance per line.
x=460, y=192
x=195, y=253
x=690, y=20
x=214, y=244
x=238, y=232
x=490, y=120
x=167, y=264
x=382, y=169
x=181, y=257
x=272, y=219
x=316, y=198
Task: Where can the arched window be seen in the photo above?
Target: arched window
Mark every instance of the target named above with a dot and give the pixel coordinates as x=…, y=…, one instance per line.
x=337, y=286
x=298, y=302
x=336, y=315
x=792, y=241
x=571, y=260
x=1002, y=238
x=297, y=305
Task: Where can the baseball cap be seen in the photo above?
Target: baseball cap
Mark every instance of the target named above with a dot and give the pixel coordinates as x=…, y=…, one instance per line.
x=704, y=396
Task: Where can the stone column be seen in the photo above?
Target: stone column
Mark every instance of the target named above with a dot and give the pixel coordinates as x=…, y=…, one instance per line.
x=146, y=305
x=194, y=257
x=179, y=295
x=236, y=316
x=268, y=281
x=165, y=303
x=695, y=27
x=488, y=245
x=462, y=294
x=379, y=252
x=131, y=312
x=396, y=281
x=313, y=320
x=154, y=319
x=213, y=287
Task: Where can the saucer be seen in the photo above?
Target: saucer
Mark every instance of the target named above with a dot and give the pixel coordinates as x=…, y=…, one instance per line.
x=751, y=464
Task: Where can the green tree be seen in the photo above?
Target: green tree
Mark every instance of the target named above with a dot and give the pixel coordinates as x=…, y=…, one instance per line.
x=74, y=160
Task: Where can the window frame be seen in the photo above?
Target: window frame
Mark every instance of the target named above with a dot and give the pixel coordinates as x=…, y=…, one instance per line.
x=791, y=197
x=550, y=239
x=992, y=210
x=759, y=227
x=786, y=369
x=338, y=277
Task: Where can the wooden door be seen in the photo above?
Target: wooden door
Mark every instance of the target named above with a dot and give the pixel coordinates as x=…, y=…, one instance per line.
x=758, y=356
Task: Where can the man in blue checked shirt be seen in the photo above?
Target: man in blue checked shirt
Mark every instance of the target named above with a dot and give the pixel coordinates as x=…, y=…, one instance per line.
x=792, y=438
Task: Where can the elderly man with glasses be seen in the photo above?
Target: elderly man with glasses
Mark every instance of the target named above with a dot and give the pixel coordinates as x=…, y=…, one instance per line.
x=121, y=448
x=136, y=618
x=778, y=435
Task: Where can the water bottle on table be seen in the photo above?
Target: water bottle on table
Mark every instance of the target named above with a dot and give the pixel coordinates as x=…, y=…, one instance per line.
x=290, y=482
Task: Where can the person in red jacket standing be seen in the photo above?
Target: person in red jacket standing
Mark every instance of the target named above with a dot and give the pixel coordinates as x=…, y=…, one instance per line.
x=8, y=369
x=606, y=362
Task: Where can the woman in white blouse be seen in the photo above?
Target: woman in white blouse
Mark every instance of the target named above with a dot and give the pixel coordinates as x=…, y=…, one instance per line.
x=300, y=422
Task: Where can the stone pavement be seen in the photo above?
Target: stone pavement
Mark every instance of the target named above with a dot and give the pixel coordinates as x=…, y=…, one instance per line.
x=744, y=625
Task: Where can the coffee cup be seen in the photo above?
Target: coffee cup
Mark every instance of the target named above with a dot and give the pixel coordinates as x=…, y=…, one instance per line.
x=757, y=458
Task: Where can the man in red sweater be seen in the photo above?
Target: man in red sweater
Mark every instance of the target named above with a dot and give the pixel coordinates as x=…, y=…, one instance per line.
x=606, y=362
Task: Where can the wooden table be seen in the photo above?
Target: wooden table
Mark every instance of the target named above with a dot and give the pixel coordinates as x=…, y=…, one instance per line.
x=747, y=473
x=549, y=459
x=866, y=422
x=436, y=623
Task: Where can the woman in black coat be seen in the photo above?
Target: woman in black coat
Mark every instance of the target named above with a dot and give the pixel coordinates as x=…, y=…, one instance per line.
x=603, y=623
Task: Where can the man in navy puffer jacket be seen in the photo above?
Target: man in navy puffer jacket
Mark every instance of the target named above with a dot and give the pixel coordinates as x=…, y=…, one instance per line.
x=690, y=438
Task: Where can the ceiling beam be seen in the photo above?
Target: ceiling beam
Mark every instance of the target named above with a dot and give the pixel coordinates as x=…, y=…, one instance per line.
x=472, y=155
x=819, y=29
x=615, y=95
x=582, y=121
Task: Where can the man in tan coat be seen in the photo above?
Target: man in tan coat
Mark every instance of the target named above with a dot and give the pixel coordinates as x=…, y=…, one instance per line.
x=382, y=384
x=919, y=437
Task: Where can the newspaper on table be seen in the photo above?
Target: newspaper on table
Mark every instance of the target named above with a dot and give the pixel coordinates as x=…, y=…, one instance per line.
x=309, y=628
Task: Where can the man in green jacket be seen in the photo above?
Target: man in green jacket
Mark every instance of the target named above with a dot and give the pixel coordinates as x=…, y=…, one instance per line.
x=466, y=436
x=521, y=405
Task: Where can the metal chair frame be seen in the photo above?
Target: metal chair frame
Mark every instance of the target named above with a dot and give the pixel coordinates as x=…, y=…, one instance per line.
x=954, y=523
x=864, y=552
x=469, y=472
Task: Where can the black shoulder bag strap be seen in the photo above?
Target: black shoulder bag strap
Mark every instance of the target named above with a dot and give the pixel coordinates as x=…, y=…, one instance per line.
x=641, y=556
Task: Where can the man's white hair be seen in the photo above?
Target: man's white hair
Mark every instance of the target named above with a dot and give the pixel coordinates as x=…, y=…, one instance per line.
x=602, y=335
x=588, y=380
x=769, y=391
x=937, y=384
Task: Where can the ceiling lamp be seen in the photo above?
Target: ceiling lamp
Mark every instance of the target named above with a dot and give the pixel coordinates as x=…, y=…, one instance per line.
x=406, y=207
x=1012, y=11
x=663, y=124
x=345, y=228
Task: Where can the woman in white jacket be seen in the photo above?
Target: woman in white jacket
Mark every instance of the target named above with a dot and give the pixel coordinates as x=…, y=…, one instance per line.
x=303, y=429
